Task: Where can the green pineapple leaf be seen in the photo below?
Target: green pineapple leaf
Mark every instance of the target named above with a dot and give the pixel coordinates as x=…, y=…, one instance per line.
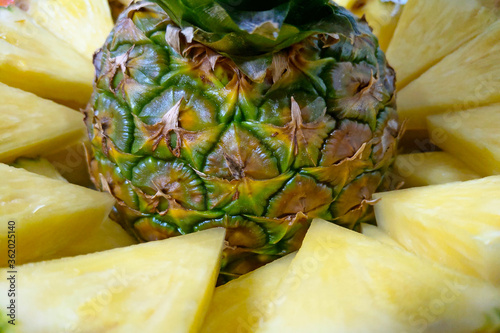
x=244, y=30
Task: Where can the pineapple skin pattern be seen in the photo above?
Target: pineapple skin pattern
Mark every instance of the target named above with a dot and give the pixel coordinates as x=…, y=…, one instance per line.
x=193, y=129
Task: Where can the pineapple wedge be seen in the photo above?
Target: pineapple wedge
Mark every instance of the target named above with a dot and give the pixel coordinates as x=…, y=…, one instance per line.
x=456, y=224
x=466, y=78
x=472, y=136
x=429, y=30
x=48, y=214
x=238, y=305
x=342, y=281
x=431, y=168
x=33, y=59
x=371, y=231
x=382, y=16
x=84, y=24
x=109, y=235
x=39, y=166
x=162, y=286
x=346, y=3
x=32, y=126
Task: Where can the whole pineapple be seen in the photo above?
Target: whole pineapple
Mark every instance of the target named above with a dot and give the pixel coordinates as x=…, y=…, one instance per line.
x=256, y=116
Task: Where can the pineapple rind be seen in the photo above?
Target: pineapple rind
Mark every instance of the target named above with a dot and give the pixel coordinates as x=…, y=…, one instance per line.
x=456, y=224
x=32, y=126
x=39, y=166
x=72, y=164
x=259, y=156
x=471, y=136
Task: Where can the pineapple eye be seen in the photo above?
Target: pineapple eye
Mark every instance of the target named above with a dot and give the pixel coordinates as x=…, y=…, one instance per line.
x=250, y=115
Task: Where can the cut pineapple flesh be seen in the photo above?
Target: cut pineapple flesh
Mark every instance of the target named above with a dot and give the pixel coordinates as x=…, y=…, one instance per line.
x=109, y=235
x=467, y=78
x=162, y=286
x=48, y=214
x=238, y=305
x=472, y=136
x=431, y=168
x=342, y=281
x=456, y=224
x=32, y=126
x=383, y=17
x=429, y=30
x=84, y=24
x=40, y=166
x=346, y=3
x=374, y=232
x=33, y=59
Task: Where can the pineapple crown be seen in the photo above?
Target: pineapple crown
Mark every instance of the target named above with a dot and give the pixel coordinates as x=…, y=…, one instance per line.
x=244, y=29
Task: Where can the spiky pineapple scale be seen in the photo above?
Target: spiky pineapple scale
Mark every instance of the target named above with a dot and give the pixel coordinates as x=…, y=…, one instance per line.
x=185, y=140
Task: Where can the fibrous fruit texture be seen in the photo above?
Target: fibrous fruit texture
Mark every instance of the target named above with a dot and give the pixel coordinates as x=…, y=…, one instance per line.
x=257, y=118
x=456, y=224
x=157, y=287
x=430, y=168
x=48, y=215
x=339, y=276
x=471, y=135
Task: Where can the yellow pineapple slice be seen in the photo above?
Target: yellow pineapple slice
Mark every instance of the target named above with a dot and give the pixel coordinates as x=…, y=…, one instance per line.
x=346, y=3
x=48, y=214
x=33, y=59
x=39, y=166
x=456, y=224
x=374, y=232
x=72, y=164
x=342, y=281
x=382, y=16
x=431, y=168
x=429, y=30
x=162, y=286
x=472, y=136
x=32, y=126
x=109, y=235
x=238, y=305
x=466, y=78
x=84, y=24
